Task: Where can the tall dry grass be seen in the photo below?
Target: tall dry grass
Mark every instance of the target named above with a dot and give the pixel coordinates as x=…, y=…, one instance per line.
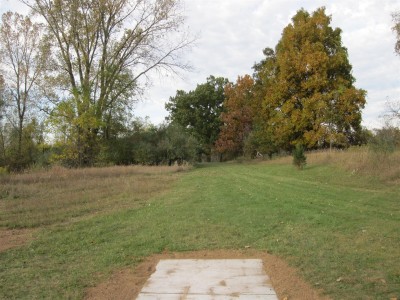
x=357, y=160
x=59, y=173
x=57, y=195
x=363, y=161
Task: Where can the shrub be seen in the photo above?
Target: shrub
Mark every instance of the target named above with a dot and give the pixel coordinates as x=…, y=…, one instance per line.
x=3, y=171
x=299, y=158
x=385, y=140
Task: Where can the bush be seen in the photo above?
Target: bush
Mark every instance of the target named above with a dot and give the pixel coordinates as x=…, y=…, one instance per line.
x=3, y=171
x=385, y=140
x=299, y=158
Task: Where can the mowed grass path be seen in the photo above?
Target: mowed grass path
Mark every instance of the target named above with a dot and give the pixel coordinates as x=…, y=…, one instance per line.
x=340, y=230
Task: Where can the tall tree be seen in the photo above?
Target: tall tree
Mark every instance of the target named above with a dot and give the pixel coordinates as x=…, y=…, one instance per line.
x=199, y=111
x=23, y=58
x=237, y=117
x=260, y=140
x=393, y=107
x=105, y=50
x=312, y=99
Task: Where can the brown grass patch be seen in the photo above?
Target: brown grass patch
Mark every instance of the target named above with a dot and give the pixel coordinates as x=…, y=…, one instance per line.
x=15, y=238
x=127, y=283
x=57, y=195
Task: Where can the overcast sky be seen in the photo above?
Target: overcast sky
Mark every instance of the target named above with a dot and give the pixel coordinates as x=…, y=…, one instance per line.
x=233, y=33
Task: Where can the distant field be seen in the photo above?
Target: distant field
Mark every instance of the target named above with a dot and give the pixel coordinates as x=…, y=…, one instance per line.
x=340, y=229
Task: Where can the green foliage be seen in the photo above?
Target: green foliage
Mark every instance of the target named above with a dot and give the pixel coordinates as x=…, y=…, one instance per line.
x=299, y=158
x=177, y=145
x=146, y=144
x=18, y=154
x=199, y=111
x=3, y=171
x=76, y=133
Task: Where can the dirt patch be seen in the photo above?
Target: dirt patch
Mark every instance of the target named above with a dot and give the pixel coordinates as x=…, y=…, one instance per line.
x=127, y=283
x=14, y=238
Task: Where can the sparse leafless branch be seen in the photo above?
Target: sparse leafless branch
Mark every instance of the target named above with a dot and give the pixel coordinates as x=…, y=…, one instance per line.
x=392, y=110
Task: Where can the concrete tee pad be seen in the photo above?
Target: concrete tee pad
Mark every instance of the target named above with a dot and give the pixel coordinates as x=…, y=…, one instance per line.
x=203, y=279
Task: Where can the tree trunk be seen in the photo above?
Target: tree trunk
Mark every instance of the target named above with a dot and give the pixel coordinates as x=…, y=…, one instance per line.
x=19, y=149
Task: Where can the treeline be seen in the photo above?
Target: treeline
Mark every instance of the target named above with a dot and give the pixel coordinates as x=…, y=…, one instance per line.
x=140, y=143
x=67, y=89
x=302, y=92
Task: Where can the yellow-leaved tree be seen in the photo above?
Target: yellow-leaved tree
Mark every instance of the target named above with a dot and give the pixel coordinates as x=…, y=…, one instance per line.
x=310, y=97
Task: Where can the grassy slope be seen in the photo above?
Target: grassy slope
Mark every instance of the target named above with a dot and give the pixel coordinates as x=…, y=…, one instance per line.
x=341, y=231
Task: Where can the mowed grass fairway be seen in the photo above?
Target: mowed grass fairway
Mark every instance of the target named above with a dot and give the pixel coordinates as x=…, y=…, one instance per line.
x=341, y=230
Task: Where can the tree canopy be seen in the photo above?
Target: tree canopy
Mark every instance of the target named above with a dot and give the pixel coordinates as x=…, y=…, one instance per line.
x=237, y=117
x=199, y=111
x=310, y=96
x=85, y=67
x=104, y=50
x=23, y=60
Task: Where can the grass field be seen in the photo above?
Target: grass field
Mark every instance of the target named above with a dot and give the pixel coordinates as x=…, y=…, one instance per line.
x=340, y=229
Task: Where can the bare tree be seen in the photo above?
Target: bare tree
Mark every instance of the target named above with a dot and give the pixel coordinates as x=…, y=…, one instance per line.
x=104, y=50
x=23, y=60
x=392, y=112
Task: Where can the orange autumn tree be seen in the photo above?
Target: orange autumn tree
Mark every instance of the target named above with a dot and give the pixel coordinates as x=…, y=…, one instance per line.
x=237, y=116
x=311, y=98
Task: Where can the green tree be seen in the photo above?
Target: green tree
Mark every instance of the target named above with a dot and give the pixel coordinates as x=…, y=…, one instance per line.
x=199, y=111
x=104, y=51
x=310, y=96
x=31, y=144
x=145, y=143
x=177, y=145
x=299, y=158
x=261, y=140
